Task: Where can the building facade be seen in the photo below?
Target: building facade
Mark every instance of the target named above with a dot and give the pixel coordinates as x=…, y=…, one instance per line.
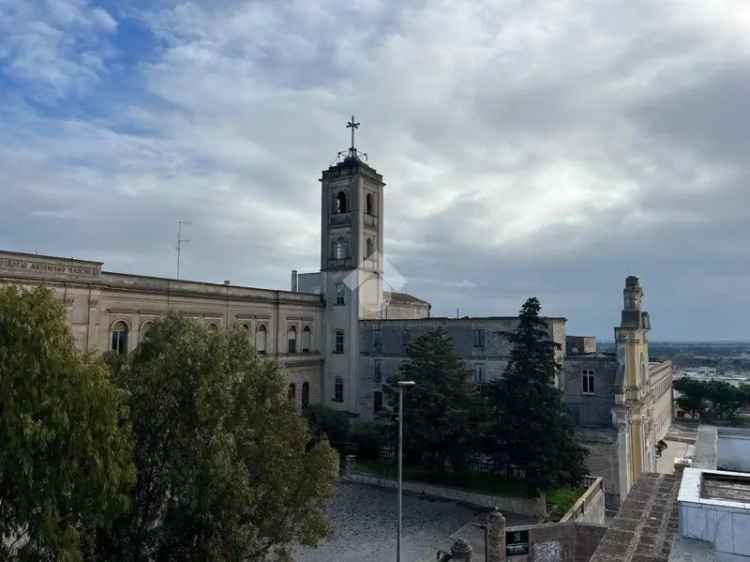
x=341, y=332
x=621, y=402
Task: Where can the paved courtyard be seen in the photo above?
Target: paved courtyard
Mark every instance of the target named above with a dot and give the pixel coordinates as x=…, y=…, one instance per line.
x=364, y=518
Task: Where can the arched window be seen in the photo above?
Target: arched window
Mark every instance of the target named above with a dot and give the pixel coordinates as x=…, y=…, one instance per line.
x=291, y=337
x=291, y=392
x=370, y=248
x=260, y=339
x=213, y=327
x=338, y=390
x=246, y=331
x=305, y=394
x=341, y=206
x=306, y=339
x=120, y=338
x=369, y=205
x=145, y=327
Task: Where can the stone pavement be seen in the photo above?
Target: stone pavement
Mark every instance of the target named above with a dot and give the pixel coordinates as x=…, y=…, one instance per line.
x=364, y=518
x=644, y=527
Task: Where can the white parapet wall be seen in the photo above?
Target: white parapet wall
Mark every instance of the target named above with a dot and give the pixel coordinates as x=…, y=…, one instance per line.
x=721, y=518
x=734, y=449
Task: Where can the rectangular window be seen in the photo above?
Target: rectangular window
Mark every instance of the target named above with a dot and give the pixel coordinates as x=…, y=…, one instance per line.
x=588, y=381
x=478, y=338
x=377, y=401
x=339, y=347
x=338, y=390
x=377, y=341
x=479, y=374
x=405, y=339
x=378, y=371
x=340, y=294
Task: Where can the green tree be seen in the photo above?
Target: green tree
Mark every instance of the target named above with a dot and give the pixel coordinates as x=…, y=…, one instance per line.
x=692, y=397
x=65, y=460
x=442, y=409
x=227, y=470
x=726, y=400
x=532, y=429
x=334, y=424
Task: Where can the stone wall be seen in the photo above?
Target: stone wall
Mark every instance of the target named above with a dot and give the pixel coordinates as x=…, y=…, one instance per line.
x=590, y=507
x=590, y=409
x=559, y=542
x=604, y=459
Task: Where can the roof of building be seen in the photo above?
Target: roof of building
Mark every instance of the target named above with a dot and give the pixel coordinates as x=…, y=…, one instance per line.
x=405, y=298
x=645, y=526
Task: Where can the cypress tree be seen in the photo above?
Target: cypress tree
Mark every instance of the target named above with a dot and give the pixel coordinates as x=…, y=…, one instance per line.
x=532, y=429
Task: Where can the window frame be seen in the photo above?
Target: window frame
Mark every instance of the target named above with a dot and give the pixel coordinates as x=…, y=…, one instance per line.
x=377, y=402
x=340, y=294
x=478, y=374
x=120, y=336
x=338, y=342
x=479, y=338
x=338, y=390
x=306, y=339
x=261, y=329
x=291, y=342
x=588, y=388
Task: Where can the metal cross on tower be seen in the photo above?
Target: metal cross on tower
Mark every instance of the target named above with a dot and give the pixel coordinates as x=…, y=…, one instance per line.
x=353, y=125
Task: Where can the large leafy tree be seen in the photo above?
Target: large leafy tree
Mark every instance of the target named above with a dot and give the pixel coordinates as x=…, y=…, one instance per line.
x=65, y=458
x=227, y=470
x=532, y=429
x=442, y=410
x=710, y=399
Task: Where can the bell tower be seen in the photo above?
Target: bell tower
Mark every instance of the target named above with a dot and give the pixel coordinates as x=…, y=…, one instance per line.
x=632, y=384
x=351, y=265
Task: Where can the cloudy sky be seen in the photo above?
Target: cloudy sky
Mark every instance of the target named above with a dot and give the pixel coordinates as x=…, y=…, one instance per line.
x=544, y=148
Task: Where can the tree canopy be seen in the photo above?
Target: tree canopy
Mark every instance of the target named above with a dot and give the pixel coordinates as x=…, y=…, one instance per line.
x=65, y=459
x=227, y=470
x=531, y=428
x=442, y=409
x=716, y=400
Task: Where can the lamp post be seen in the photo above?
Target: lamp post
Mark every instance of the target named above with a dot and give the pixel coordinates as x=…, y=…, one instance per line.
x=402, y=386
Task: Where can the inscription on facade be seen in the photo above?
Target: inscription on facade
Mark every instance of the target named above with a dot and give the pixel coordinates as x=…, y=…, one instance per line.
x=46, y=267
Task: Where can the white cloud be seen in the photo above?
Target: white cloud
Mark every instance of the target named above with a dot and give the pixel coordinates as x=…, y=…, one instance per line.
x=529, y=147
x=55, y=47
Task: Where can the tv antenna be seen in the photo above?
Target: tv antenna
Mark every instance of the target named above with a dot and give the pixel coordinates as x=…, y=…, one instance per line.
x=181, y=242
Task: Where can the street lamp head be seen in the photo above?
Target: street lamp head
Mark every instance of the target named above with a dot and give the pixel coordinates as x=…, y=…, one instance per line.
x=405, y=384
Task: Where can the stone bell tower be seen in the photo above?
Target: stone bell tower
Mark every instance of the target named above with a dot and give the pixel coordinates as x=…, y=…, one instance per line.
x=351, y=265
x=632, y=385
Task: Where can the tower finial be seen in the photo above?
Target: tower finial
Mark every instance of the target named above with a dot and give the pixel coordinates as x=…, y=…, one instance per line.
x=353, y=125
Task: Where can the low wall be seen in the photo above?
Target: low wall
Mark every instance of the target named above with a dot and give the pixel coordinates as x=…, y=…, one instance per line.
x=512, y=504
x=558, y=542
x=590, y=507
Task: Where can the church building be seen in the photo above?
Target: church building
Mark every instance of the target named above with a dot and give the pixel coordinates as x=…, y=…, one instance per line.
x=341, y=332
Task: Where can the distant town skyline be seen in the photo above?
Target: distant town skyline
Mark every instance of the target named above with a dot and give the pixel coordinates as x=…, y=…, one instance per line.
x=529, y=149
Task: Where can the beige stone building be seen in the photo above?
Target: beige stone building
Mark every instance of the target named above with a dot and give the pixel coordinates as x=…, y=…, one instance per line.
x=112, y=311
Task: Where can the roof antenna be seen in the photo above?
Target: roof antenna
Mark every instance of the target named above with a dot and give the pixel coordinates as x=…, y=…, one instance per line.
x=180, y=242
